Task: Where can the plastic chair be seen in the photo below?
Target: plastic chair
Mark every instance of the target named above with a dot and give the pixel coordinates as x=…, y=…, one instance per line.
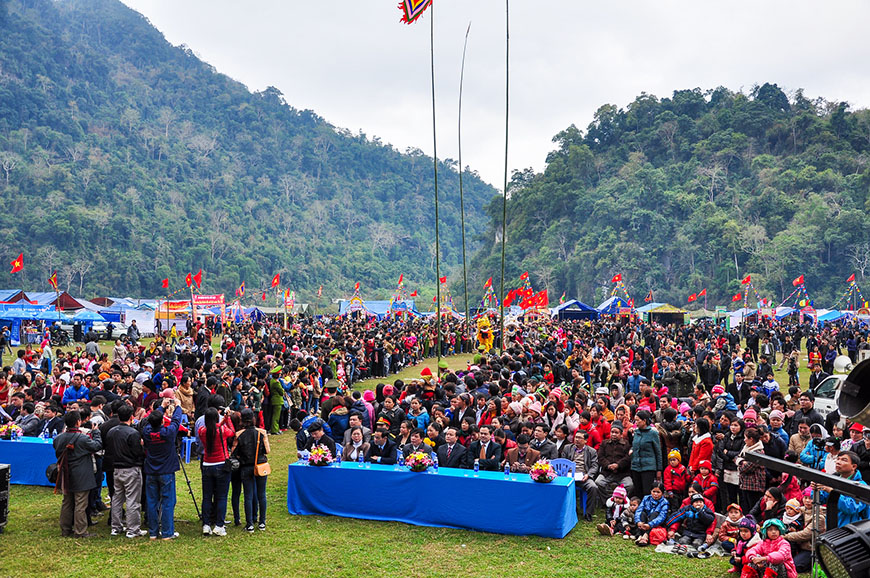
x=567, y=468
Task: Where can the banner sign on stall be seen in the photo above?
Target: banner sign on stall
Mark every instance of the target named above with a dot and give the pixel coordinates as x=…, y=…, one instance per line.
x=208, y=300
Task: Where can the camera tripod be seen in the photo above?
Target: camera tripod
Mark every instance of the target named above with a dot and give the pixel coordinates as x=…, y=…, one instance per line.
x=189, y=487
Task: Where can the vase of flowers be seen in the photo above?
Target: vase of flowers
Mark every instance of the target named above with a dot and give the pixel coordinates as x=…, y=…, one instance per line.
x=9, y=431
x=320, y=456
x=418, y=462
x=542, y=472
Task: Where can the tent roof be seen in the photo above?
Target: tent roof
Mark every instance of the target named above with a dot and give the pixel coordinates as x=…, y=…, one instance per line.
x=573, y=304
x=67, y=301
x=648, y=307
x=667, y=308
x=12, y=295
x=379, y=308
x=832, y=315
x=612, y=305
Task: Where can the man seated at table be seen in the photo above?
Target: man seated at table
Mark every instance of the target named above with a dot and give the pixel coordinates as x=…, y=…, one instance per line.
x=381, y=450
x=52, y=421
x=355, y=420
x=485, y=450
x=30, y=424
x=315, y=430
x=416, y=444
x=522, y=458
x=452, y=453
x=546, y=448
x=586, y=461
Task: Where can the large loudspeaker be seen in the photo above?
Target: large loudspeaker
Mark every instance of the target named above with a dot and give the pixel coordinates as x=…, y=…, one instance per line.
x=4, y=495
x=854, y=401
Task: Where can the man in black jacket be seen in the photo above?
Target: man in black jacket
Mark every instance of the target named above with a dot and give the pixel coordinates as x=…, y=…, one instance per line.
x=381, y=449
x=486, y=450
x=76, y=477
x=124, y=451
x=740, y=391
x=817, y=376
x=315, y=430
x=452, y=453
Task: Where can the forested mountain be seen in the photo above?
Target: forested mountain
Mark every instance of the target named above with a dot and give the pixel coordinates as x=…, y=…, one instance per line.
x=696, y=191
x=125, y=160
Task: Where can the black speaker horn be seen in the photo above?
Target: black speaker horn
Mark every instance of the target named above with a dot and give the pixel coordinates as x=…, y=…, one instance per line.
x=854, y=401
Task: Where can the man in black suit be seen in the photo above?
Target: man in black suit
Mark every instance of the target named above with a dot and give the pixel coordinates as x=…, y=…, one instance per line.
x=462, y=408
x=316, y=438
x=381, y=449
x=452, y=453
x=416, y=444
x=486, y=450
x=739, y=390
x=541, y=444
x=817, y=376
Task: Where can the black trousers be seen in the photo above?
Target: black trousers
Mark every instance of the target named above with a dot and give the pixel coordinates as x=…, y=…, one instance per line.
x=643, y=482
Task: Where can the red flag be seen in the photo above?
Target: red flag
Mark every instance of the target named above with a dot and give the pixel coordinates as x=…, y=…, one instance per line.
x=189, y=279
x=692, y=297
x=631, y=302
x=543, y=299
x=401, y=275
x=198, y=279
x=849, y=280
x=737, y=297
x=488, y=282
x=414, y=293
x=798, y=281
x=524, y=276
x=443, y=280
x=276, y=280
x=356, y=287
x=264, y=295
x=165, y=283
x=435, y=299
x=510, y=298
x=648, y=297
x=18, y=264
x=616, y=278
x=320, y=291
x=746, y=280
x=53, y=280
x=527, y=302
x=703, y=292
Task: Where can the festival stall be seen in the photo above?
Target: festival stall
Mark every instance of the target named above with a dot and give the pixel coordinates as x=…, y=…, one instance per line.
x=574, y=310
x=664, y=314
x=378, y=309
x=616, y=307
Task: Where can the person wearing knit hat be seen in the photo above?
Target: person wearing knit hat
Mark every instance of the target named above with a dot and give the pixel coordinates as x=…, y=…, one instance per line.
x=750, y=417
x=675, y=454
x=718, y=389
x=368, y=395
x=535, y=409
x=426, y=373
x=615, y=507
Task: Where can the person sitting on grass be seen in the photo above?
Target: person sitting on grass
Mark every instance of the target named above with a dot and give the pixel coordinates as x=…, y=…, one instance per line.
x=729, y=531
x=652, y=513
x=772, y=556
x=746, y=537
x=615, y=506
x=695, y=521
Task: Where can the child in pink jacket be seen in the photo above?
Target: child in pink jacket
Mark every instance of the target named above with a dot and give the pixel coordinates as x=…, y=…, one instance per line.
x=770, y=558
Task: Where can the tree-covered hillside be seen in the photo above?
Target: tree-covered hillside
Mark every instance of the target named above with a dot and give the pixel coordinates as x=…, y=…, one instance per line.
x=696, y=191
x=125, y=160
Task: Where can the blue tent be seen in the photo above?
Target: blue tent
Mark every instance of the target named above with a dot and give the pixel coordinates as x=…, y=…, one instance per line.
x=17, y=314
x=574, y=309
x=379, y=308
x=88, y=316
x=613, y=305
x=51, y=315
x=832, y=315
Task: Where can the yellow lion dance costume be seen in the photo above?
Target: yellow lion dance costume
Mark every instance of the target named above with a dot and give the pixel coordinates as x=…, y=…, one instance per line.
x=484, y=334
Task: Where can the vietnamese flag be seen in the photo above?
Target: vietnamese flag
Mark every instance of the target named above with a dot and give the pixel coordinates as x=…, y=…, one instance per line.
x=189, y=279
x=543, y=299
x=414, y=293
x=355, y=287
x=198, y=279
x=435, y=299
x=264, y=295
x=401, y=276
x=276, y=280
x=703, y=292
x=165, y=283
x=488, y=282
x=693, y=297
x=18, y=264
x=524, y=276
x=849, y=280
x=443, y=280
x=737, y=297
x=616, y=278
x=509, y=298
x=746, y=280
x=798, y=281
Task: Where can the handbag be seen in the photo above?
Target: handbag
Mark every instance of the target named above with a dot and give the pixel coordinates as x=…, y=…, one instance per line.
x=231, y=464
x=264, y=469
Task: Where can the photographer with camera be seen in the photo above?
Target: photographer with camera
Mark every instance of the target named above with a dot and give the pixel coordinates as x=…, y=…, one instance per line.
x=217, y=465
x=161, y=463
x=75, y=451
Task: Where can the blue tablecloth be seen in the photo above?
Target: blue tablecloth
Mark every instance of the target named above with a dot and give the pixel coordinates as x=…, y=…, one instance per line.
x=452, y=498
x=28, y=459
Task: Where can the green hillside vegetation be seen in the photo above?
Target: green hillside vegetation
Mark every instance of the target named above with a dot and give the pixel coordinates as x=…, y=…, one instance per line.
x=674, y=193
x=125, y=160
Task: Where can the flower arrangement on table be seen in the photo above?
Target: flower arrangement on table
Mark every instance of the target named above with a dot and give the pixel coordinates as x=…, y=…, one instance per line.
x=542, y=472
x=9, y=430
x=418, y=462
x=320, y=456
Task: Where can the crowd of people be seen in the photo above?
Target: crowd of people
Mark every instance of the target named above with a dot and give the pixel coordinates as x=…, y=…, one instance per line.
x=657, y=420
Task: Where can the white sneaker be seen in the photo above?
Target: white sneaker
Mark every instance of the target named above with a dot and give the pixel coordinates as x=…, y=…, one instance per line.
x=206, y=530
x=219, y=531
x=115, y=533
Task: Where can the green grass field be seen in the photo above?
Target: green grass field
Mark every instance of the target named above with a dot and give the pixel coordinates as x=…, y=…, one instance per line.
x=319, y=545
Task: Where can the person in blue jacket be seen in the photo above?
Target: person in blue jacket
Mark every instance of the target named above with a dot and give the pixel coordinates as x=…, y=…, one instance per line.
x=814, y=453
x=161, y=463
x=652, y=513
x=76, y=391
x=849, y=510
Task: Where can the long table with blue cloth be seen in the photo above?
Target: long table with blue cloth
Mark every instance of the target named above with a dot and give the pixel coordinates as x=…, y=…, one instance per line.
x=28, y=458
x=451, y=498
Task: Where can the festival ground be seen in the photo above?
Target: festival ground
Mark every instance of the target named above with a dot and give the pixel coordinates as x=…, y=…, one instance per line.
x=320, y=546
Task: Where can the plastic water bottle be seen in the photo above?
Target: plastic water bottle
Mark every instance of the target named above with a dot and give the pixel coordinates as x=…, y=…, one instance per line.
x=337, y=459
x=401, y=461
x=507, y=471
x=361, y=459
x=434, y=464
x=476, y=467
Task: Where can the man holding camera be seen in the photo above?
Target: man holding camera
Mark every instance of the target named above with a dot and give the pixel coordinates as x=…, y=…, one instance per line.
x=75, y=453
x=161, y=463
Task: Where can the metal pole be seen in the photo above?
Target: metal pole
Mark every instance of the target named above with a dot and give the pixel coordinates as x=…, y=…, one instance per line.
x=504, y=198
x=435, y=166
x=466, y=333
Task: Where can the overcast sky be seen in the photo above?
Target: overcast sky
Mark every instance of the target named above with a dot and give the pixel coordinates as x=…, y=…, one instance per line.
x=354, y=64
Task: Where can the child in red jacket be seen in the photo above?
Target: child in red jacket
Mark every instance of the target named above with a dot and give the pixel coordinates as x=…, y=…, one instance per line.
x=708, y=480
x=676, y=480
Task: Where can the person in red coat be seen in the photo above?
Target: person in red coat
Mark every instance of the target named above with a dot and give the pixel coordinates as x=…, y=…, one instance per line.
x=702, y=445
x=708, y=481
x=676, y=478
